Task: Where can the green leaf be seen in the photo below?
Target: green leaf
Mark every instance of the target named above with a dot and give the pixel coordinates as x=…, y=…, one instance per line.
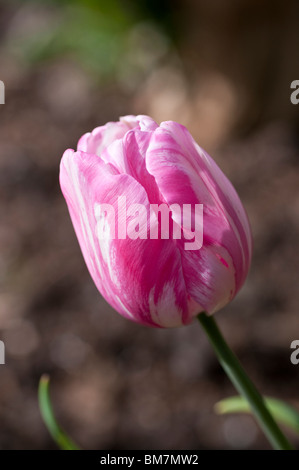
x=281, y=411
x=59, y=436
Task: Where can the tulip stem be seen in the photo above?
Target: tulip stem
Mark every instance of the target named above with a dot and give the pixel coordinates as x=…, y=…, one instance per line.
x=243, y=384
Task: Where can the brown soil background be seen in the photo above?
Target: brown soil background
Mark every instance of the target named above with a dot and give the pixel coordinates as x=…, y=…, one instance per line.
x=117, y=385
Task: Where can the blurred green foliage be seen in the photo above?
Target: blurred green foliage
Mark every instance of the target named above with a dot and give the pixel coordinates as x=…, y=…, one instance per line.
x=60, y=437
x=102, y=35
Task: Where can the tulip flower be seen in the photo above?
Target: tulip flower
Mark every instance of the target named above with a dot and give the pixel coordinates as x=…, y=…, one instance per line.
x=158, y=282
x=163, y=233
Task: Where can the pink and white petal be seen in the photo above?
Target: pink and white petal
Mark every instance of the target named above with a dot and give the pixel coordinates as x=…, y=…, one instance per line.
x=220, y=262
x=180, y=184
x=209, y=276
x=142, y=122
x=128, y=156
x=146, y=123
x=99, y=139
x=130, y=120
x=137, y=277
x=220, y=188
x=231, y=201
x=77, y=170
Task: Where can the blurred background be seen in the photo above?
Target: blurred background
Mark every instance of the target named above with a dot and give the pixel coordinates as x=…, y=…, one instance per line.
x=224, y=70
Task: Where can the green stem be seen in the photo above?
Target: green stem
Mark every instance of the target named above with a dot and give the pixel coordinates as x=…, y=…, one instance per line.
x=243, y=384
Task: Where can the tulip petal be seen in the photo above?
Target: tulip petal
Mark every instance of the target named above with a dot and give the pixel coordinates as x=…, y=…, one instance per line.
x=142, y=278
x=96, y=141
x=214, y=273
x=101, y=137
x=219, y=186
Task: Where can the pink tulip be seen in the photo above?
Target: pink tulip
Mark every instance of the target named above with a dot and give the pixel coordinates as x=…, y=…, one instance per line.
x=156, y=282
